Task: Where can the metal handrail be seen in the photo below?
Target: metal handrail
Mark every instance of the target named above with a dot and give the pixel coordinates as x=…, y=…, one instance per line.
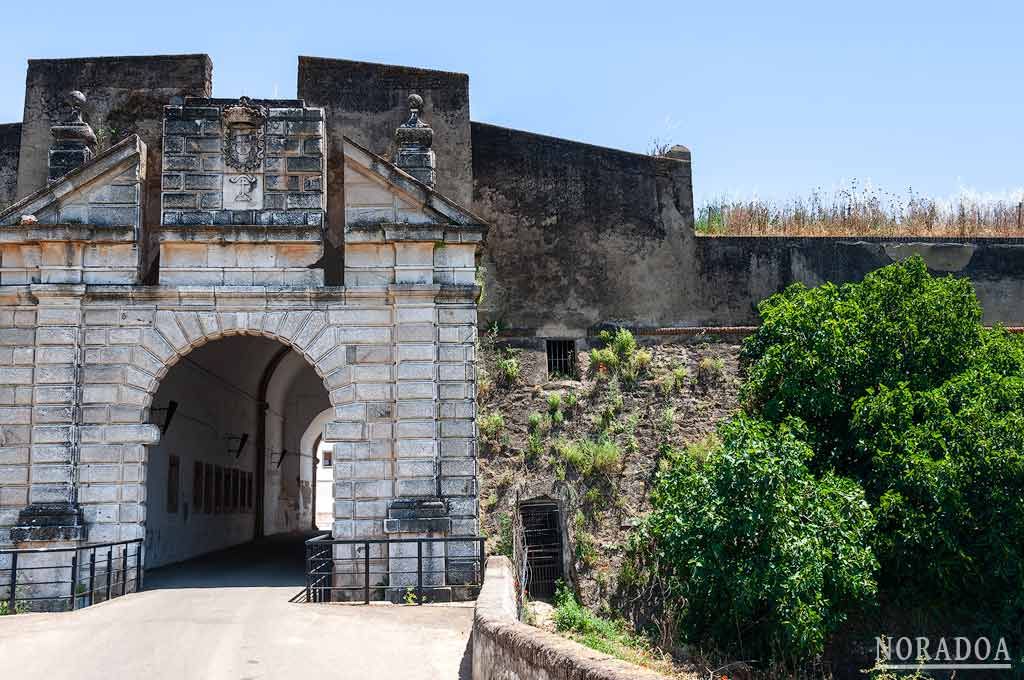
x=104, y=579
x=322, y=568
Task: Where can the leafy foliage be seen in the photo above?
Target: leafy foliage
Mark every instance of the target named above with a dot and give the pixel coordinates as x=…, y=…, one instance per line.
x=620, y=357
x=884, y=404
x=767, y=559
x=491, y=425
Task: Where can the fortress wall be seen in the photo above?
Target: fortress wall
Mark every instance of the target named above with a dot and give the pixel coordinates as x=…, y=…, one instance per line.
x=126, y=95
x=10, y=144
x=734, y=273
x=579, y=234
x=582, y=235
x=366, y=102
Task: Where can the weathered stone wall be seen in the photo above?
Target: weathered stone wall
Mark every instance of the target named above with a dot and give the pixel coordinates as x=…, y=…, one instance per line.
x=366, y=102
x=579, y=234
x=10, y=147
x=505, y=649
x=733, y=274
x=126, y=95
x=582, y=235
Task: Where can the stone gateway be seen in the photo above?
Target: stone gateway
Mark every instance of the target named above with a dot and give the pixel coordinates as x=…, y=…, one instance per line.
x=222, y=319
x=89, y=348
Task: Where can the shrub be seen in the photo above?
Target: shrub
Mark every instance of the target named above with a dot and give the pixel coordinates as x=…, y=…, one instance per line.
x=710, y=371
x=673, y=381
x=667, y=421
x=901, y=388
x=491, y=425
x=554, y=402
x=642, y=361
x=819, y=350
x=508, y=367
x=764, y=560
x=484, y=384
x=620, y=357
x=603, y=362
x=535, y=422
x=534, y=445
x=621, y=342
x=604, y=455
x=504, y=544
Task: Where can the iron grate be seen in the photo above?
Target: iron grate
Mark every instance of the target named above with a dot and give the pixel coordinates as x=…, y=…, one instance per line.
x=561, y=358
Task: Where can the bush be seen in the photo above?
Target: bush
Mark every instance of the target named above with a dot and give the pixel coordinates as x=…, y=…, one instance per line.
x=763, y=559
x=620, y=357
x=504, y=544
x=819, y=350
x=508, y=367
x=710, y=371
x=900, y=388
x=491, y=425
x=534, y=445
x=673, y=381
x=554, y=402
x=603, y=362
x=535, y=422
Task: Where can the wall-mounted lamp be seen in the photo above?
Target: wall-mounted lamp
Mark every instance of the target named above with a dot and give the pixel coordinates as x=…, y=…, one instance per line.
x=168, y=412
x=241, y=439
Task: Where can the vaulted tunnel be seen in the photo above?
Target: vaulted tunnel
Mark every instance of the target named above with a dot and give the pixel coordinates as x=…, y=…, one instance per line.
x=239, y=458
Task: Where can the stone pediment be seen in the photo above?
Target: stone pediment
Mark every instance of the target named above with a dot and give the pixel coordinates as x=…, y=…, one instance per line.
x=385, y=203
x=104, y=192
x=83, y=227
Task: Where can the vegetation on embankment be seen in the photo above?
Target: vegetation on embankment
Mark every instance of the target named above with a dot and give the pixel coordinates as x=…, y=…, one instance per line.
x=860, y=210
x=594, y=443
x=875, y=479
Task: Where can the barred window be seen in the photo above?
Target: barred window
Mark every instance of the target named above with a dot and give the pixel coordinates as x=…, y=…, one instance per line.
x=561, y=358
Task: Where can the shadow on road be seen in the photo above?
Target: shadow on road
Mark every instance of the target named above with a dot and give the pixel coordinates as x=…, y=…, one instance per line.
x=466, y=665
x=274, y=561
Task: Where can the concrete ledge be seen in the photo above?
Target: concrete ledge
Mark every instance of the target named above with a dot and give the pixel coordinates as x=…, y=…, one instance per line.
x=505, y=649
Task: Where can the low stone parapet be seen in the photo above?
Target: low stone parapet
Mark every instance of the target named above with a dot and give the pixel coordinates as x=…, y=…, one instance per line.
x=505, y=649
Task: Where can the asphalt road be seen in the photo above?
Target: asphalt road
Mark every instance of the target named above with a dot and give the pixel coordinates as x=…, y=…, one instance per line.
x=228, y=617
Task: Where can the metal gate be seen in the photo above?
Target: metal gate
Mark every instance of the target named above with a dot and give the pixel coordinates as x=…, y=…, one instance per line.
x=542, y=534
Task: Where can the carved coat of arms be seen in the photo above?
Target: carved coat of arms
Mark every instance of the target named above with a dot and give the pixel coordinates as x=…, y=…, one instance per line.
x=243, y=135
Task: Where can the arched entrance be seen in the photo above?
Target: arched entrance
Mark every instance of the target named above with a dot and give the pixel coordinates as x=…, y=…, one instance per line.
x=230, y=467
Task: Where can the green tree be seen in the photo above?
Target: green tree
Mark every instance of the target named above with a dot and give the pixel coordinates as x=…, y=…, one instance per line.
x=764, y=559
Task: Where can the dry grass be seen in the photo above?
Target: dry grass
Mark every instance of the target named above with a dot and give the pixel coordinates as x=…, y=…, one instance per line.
x=864, y=211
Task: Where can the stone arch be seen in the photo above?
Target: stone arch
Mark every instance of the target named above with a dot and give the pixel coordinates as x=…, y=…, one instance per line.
x=124, y=378
x=175, y=334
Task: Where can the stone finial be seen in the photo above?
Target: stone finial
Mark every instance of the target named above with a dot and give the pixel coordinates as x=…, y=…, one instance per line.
x=73, y=140
x=414, y=138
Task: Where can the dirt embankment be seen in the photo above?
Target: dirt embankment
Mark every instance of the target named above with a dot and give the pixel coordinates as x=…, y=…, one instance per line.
x=599, y=457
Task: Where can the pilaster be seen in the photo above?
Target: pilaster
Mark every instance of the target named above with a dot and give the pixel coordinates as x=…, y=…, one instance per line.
x=53, y=513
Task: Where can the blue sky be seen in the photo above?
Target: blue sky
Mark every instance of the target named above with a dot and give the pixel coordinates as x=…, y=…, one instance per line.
x=773, y=98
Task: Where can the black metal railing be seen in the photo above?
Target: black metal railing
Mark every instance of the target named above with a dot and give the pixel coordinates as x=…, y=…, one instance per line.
x=61, y=579
x=410, y=570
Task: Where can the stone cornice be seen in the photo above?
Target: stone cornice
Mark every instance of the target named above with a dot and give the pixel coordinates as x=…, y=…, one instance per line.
x=69, y=233
x=233, y=233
